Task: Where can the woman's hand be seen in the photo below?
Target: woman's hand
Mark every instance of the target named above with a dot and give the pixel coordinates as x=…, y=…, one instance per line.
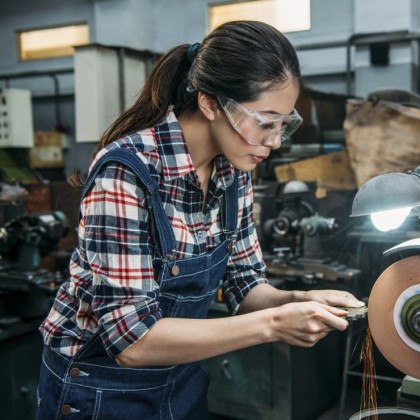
x=333, y=298
x=305, y=323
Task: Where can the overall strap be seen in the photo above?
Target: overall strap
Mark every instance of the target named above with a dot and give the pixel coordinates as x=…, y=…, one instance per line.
x=164, y=237
x=229, y=215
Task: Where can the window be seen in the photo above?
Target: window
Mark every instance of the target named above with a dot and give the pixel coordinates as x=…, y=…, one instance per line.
x=285, y=15
x=52, y=42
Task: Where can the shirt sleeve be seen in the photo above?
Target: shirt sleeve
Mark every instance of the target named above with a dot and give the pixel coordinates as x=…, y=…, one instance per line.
x=246, y=268
x=118, y=250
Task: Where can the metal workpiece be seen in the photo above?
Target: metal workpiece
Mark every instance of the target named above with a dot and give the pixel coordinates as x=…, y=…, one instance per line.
x=355, y=313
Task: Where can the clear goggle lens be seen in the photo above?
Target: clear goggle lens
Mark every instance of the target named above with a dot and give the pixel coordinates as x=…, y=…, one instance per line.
x=259, y=128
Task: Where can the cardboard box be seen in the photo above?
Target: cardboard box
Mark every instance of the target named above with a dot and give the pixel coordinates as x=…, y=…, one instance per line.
x=331, y=171
x=47, y=151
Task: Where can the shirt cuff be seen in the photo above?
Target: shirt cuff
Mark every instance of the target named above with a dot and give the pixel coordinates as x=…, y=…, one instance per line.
x=235, y=290
x=123, y=322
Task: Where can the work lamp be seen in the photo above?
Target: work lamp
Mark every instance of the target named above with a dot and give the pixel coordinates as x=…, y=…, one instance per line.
x=388, y=198
x=394, y=301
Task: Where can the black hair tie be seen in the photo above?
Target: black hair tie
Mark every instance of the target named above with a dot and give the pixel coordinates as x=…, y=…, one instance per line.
x=192, y=51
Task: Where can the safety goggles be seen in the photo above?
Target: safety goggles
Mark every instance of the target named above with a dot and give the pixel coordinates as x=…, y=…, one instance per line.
x=260, y=128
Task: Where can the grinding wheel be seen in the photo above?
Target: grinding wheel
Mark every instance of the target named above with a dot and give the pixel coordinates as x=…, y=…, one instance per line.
x=394, y=315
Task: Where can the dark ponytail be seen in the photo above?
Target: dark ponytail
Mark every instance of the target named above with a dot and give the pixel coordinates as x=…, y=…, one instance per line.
x=238, y=60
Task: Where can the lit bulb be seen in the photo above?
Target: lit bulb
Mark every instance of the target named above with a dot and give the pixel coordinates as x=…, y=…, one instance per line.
x=389, y=219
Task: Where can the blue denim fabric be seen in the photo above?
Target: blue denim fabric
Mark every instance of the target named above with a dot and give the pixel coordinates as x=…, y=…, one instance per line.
x=104, y=391
x=91, y=385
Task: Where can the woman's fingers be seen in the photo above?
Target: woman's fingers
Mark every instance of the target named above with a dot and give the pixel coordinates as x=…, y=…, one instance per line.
x=336, y=298
x=334, y=317
x=305, y=323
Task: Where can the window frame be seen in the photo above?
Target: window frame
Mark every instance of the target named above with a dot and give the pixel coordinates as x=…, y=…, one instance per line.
x=233, y=2
x=21, y=53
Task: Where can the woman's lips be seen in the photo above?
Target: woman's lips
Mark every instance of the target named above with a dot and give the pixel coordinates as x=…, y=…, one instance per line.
x=257, y=159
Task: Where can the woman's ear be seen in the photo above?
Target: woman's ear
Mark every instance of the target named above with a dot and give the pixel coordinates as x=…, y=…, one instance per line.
x=207, y=105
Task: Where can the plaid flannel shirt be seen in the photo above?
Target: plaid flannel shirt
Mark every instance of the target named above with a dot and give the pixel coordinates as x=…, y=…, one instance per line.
x=113, y=285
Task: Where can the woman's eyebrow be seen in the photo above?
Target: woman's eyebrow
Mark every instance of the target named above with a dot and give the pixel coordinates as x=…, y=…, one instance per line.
x=275, y=113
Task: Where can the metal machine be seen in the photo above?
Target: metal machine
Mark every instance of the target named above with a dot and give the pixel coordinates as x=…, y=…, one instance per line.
x=22, y=243
x=30, y=272
x=394, y=301
x=293, y=239
x=394, y=318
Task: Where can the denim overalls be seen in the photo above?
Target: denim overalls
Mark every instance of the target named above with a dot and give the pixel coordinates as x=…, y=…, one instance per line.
x=91, y=385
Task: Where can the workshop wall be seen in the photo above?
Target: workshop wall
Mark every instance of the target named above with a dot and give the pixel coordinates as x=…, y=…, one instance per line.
x=26, y=14
x=157, y=25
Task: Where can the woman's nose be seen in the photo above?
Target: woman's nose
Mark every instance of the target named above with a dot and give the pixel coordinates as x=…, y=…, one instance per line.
x=273, y=142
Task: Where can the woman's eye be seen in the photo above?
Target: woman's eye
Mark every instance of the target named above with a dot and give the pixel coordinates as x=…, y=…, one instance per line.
x=267, y=126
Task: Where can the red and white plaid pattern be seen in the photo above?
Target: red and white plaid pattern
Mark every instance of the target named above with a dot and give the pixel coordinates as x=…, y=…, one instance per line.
x=113, y=285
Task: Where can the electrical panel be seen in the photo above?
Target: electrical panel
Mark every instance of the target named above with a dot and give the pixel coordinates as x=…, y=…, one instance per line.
x=16, y=125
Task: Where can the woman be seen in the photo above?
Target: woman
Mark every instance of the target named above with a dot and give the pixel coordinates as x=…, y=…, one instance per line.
x=166, y=218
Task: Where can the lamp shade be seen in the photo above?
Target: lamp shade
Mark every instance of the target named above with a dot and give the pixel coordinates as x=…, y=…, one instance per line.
x=387, y=192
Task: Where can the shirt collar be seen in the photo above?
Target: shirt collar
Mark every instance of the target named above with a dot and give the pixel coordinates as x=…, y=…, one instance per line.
x=175, y=158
